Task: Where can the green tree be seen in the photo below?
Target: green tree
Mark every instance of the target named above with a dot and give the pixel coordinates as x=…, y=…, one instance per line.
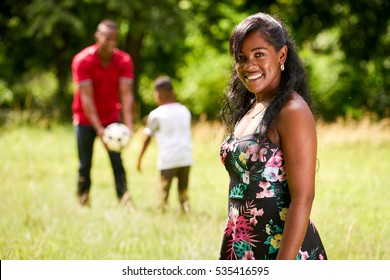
x=344, y=44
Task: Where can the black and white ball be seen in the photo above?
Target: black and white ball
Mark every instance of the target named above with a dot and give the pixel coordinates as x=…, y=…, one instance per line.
x=116, y=137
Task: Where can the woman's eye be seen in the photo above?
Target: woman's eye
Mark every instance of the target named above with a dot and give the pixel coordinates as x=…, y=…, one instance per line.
x=259, y=54
x=240, y=58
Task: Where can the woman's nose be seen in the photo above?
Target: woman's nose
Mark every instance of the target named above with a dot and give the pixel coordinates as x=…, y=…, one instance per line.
x=250, y=64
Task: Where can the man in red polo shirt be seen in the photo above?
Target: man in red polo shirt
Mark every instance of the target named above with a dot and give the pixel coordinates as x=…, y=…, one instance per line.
x=103, y=76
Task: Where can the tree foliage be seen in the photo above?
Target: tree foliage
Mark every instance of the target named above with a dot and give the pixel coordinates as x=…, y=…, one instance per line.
x=344, y=44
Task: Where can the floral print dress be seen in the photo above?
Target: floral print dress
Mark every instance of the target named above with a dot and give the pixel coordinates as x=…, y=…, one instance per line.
x=258, y=202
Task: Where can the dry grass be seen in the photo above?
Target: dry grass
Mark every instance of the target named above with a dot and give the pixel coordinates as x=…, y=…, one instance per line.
x=353, y=132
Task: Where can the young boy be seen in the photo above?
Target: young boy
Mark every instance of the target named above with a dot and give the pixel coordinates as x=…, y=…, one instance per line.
x=170, y=123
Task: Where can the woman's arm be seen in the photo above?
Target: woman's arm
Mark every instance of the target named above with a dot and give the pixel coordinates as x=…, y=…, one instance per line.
x=297, y=132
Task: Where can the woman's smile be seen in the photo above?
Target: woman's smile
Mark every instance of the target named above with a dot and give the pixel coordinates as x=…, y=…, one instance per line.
x=251, y=77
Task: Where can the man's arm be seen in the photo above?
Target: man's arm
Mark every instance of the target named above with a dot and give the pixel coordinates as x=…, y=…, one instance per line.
x=127, y=102
x=86, y=94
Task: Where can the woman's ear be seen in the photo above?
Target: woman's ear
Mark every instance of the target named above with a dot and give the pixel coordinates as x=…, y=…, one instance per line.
x=283, y=54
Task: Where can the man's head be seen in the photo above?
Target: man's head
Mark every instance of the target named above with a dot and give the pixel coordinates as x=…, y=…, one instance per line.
x=106, y=36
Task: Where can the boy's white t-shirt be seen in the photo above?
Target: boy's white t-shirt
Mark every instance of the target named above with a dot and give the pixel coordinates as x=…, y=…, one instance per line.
x=171, y=125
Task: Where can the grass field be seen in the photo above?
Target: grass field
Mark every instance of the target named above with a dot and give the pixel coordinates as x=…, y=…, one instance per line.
x=40, y=219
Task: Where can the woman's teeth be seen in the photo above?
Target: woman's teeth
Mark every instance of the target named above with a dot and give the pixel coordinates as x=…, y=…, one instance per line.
x=254, y=77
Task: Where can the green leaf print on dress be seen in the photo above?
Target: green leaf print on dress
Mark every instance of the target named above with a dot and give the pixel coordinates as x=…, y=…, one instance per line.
x=238, y=191
x=241, y=247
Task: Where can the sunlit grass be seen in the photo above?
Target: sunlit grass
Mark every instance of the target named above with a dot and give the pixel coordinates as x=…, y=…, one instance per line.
x=40, y=218
x=351, y=207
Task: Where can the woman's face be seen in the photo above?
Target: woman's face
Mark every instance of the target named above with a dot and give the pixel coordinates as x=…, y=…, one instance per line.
x=258, y=64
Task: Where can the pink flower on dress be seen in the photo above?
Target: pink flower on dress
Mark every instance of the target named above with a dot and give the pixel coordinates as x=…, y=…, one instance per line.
x=275, y=161
x=253, y=220
x=252, y=150
x=248, y=255
x=264, y=185
x=262, y=154
x=256, y=212
x=304, y=255
x=222, y=157
x=265, y=192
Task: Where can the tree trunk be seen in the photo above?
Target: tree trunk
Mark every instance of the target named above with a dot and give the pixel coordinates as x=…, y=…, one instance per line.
x=133, y=45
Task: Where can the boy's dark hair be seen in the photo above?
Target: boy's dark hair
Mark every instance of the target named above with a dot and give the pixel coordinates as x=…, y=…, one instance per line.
x=163, y=83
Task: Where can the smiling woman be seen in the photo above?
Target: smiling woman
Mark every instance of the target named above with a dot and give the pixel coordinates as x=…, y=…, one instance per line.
x=271, y=153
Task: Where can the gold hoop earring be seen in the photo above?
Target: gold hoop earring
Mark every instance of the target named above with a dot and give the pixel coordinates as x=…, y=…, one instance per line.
x=282, y=66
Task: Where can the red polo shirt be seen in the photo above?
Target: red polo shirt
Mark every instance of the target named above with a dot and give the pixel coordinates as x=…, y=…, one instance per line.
x=87, y=68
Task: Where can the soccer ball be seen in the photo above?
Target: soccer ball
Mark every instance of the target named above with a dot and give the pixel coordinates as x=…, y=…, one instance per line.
x=116, y=136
